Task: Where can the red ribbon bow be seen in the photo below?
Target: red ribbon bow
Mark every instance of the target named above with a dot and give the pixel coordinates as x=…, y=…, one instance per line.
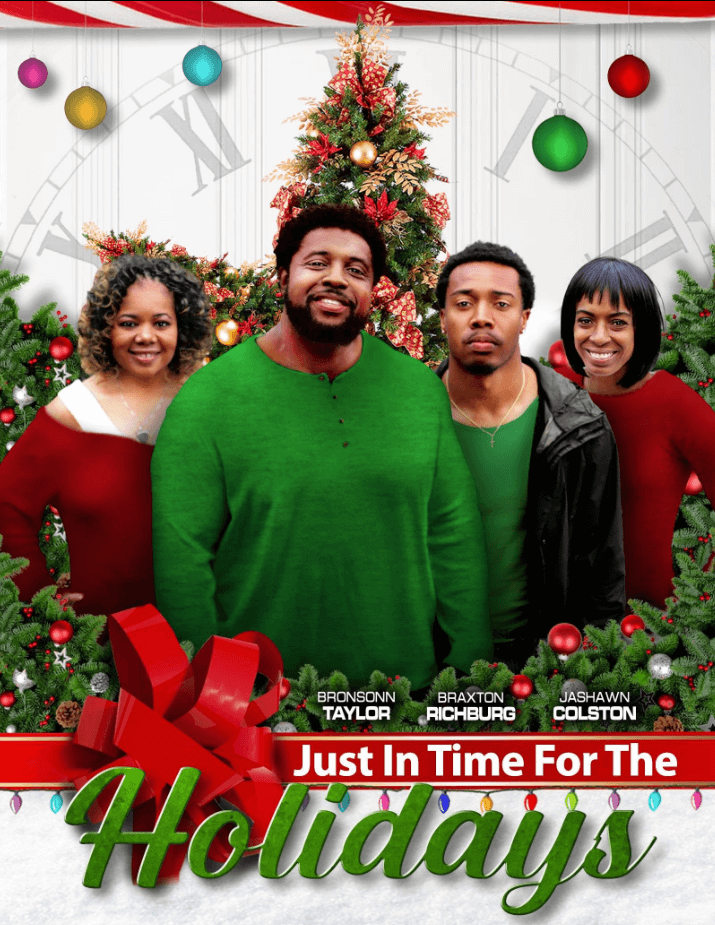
x=287, y=201
x=404, y=311
x=438, y=208
x=173, y=713
x=369, y=94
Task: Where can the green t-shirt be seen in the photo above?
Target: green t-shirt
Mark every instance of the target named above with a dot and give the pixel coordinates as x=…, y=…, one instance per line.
x=501, y=474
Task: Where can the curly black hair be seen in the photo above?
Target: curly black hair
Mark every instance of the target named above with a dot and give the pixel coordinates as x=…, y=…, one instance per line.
x=346, y=218
x=105, y=297
x=486, y=252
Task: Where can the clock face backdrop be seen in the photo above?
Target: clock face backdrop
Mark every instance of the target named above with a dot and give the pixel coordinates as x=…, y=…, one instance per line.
x=191, y=160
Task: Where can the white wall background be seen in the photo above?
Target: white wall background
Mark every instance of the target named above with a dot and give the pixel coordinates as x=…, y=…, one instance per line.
x=191, y=161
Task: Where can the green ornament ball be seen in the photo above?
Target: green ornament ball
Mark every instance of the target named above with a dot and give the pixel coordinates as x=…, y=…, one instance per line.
x=559, y=143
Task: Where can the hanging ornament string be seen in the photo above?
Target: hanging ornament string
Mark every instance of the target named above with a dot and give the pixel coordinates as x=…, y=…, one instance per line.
x=85, y=107
x=559, y=143
x=559, y=104
x=202, y=65
x=629, y=75
x=32, y=73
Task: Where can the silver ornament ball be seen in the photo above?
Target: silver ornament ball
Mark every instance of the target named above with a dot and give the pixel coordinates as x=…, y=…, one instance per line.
x=9, y=445
x=11, y=728
x=422, y=720
x=99, y=682
x=573, y=686
x=473, y=689
x=659, y=666
x=284, y=727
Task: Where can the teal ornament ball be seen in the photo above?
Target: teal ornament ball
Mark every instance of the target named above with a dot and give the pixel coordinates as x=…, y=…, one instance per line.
x=202, y=65
x=559, y=143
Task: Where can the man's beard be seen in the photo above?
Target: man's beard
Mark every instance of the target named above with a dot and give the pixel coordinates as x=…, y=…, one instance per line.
x=308, y=327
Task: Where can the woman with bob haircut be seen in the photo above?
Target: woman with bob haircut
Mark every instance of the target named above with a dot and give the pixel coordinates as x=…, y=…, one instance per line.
x=144, y=329
x=611, y=328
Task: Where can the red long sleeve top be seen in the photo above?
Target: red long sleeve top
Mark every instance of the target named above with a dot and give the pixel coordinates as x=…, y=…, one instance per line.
x=664, y=431
x=102, y=488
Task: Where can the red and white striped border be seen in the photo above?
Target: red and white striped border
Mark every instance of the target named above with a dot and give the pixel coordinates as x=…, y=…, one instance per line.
x=318, y=14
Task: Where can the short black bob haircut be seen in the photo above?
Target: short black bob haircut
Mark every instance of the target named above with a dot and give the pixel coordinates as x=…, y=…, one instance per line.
x=486, y=252
x=616, y=278
x=347, y=218
x=105, y=298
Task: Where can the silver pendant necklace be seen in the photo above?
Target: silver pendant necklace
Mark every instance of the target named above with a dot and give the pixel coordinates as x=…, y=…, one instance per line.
x=142, y=432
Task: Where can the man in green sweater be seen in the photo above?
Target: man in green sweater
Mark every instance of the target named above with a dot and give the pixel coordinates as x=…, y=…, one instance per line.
x=308, y=484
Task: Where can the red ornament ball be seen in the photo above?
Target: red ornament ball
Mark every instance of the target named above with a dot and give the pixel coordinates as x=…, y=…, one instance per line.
x=61, y=348
x=564, y=638
x=7, y=415
x=557, y=356
x=666, y=702
x=530, y=802
x=61, y=632
x=7, y=699
x=693, y=486
x=521, y=686
x=628, y=76
x=631, y=623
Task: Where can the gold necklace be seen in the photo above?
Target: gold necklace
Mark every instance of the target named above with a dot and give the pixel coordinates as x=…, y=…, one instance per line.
x=491, y=434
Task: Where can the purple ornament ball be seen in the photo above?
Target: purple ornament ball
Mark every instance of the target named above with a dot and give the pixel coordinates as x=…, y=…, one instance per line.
x=32, y=73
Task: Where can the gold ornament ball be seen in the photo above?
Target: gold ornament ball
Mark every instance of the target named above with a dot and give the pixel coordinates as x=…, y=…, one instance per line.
x=313, y=132
x=85, y=108
x=206, y=361
x=363, y=153
x=227, y=332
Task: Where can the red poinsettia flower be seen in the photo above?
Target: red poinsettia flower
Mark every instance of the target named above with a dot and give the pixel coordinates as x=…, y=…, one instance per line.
x=381, y=210
x=413, y=151
x=322, y=149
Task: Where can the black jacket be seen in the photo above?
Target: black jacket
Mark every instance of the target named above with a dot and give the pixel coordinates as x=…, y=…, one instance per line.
x=574, y=542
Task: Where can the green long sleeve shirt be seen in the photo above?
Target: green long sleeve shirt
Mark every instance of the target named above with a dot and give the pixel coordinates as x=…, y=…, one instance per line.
x=338, y=518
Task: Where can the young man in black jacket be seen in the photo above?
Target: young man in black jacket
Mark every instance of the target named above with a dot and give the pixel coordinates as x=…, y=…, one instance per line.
x=542, y=455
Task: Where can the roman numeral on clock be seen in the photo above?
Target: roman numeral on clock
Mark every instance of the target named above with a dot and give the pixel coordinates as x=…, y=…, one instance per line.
x=521, y=133
x=661, y=226
x=231, y=158
x=66, y=244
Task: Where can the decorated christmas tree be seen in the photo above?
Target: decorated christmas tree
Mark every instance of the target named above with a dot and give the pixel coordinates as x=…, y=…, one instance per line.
x=50, y=660
x=360, y=144
x=37, y=359
x=243, y=301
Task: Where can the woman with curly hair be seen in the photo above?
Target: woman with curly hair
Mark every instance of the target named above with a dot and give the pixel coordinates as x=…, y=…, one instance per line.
x=143, y=331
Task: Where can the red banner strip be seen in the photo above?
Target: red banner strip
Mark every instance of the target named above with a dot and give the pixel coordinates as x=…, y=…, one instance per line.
x=50, y=761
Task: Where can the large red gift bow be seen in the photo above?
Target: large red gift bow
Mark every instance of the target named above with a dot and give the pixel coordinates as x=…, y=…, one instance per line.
x=173, y=713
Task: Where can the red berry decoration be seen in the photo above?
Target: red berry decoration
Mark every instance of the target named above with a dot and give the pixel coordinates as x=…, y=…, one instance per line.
x=631, y=623
x=61, y=348
x=521, y=686
x=557, y=356
x=628, y=76
x=7, y=699
x=7, y=415
x=693, y=486
x=61, y=632
x=666, y=702
x=564, y=639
